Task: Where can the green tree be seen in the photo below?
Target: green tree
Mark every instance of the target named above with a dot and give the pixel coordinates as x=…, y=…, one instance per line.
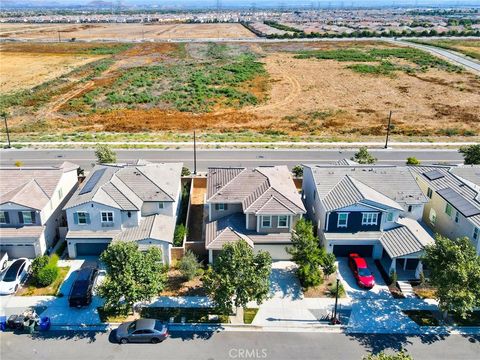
x=455, y=271
x=104, y=154
x=238, y=276
x=298, y=171
x=132, y=276
x=413, y=161
x=401, y=355
x=328, y=264
x=471, y=154
x=364, y=157
x=186, y=171
x=180, y=232
x=45, y=270
x=188, y=265
x=306, y=254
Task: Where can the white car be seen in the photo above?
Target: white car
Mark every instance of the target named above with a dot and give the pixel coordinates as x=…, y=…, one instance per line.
x=14, y=275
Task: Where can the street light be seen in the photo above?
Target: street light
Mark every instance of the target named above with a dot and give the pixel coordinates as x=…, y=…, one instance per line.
x=6, y=128
x=388, y=129
x=194, y=153
x=335, y=321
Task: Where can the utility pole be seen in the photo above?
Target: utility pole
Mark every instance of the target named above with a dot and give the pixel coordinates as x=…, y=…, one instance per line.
x=59, y=39
x=194, y=153
x=388, y=129
x=6, y=128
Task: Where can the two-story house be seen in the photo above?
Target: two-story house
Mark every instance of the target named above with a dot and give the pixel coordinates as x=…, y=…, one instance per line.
x=31, y=202
x=125, y=202
x=453, y=207
x=371, y=210
x=260, y=205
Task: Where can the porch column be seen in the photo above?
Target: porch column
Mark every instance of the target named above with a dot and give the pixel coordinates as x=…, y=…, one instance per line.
x=419, y=269
x=393, y=266
x=210, y=256
x=405, y=264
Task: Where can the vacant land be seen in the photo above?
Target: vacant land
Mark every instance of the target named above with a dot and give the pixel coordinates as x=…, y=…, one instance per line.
x=279, y=91
x=123, y=32
x=467, y=47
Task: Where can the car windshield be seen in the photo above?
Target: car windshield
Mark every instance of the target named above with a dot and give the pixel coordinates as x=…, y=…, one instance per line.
x=364, y=272
x=11, y=274
x=159, y=325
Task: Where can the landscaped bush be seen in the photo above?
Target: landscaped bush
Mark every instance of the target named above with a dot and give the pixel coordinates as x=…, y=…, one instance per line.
x=188, y=265
x=180, y=232
x=38, y=264
x=47, y=275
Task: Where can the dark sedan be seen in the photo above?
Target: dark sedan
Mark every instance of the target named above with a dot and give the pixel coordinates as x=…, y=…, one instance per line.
x=142, y=331
x=82, y=289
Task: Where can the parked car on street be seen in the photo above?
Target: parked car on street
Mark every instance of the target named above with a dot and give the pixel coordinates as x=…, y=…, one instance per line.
x=81, y=292
x=361, y=272
x=3, y=260
x=142, y=331
x=14, y=275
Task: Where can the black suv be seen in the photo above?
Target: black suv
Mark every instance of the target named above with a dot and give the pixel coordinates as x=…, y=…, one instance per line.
x=81, y=292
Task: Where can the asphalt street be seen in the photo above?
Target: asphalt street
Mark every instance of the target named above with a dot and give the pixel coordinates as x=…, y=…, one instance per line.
x=55, y=345
x=228, y=158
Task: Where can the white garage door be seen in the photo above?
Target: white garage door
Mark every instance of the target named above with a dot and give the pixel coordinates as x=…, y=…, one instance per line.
x=18, y=250
x=277, y=252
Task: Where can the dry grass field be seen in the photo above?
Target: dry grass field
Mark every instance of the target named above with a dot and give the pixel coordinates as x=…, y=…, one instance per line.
x=123, y=32
x=324, y=90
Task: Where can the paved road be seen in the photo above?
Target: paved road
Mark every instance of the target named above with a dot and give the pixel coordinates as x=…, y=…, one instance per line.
x=235, y=345
x=453, y=56
x=208, y=158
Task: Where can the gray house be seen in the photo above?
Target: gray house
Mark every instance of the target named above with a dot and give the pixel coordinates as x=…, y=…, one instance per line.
x=453, y=207
x=371, y=210
x=31, y=202
x=260, y=205
x=125, y=202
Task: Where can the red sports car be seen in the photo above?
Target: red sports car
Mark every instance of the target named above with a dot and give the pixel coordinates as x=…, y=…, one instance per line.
x=361, y=272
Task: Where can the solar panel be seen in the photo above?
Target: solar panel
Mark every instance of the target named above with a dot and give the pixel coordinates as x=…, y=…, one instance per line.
x=92, y=181
x=433, y=175
x=465, y=207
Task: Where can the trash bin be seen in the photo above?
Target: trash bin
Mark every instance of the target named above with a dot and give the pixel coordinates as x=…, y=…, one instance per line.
x=3, y=323
x=44, y=324
x=11, y=321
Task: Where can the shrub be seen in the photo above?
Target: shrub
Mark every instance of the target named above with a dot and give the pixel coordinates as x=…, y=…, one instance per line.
x=309, y=275
x=180, y=232
x=47, y=275
x=186, y=171
x=393, y=277
x=105, y=154
x=332, y=289
x=413, y=161
x=38, y=264
x=298, y=171
x=188, y=265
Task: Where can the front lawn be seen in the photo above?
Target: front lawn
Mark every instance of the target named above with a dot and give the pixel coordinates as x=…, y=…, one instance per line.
x=424, y=292
x=326, y=289
x=191, y=315
x=423, y=317
x=249, y=314
x=106, y=316
x=30, y=289
x=177, y=285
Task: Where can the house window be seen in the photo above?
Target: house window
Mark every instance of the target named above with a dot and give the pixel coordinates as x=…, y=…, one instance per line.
x=221, y=207
x=476, y=232
x=369, y=218
x=410, y=208
x=342, y=220
x=433, y=217
x=448, y=209
x=266, y=221
x=390, y=216
x=60, y=194
x=107, y=216
x=27, y=217
x=160, y=205
x=4, y=217
x=429, y=193
x=457, y=216
x=283, y=221
x=82, y=218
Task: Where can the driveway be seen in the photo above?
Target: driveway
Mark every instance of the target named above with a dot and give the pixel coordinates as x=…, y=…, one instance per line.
x=379, y=291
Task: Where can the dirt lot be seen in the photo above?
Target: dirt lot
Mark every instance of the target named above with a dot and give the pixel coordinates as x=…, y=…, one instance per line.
x=292, y=96
x=123, y=32
x=41, y=67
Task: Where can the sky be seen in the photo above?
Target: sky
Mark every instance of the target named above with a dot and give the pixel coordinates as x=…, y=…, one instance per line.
x=259, y=3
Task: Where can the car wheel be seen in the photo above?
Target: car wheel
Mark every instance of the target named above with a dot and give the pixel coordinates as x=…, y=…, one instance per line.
x=16, y=288
x=123, y=341
x=155, y=341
